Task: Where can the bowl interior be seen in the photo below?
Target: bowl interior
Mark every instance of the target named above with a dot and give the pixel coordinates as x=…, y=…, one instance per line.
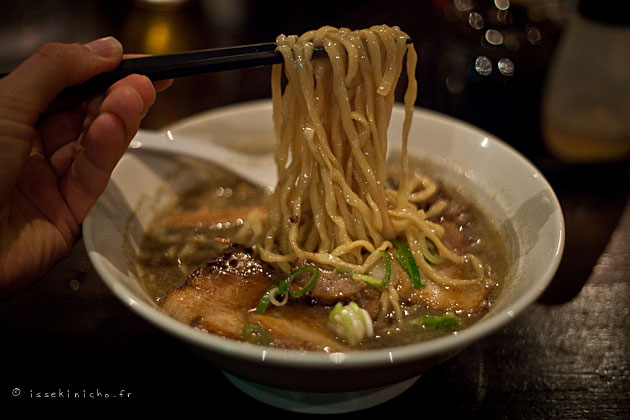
x=517, y=198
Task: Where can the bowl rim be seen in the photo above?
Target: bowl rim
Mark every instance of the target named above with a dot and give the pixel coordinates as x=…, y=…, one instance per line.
x=352, y=360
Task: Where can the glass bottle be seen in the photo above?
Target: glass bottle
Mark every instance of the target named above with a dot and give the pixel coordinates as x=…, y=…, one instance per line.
x=586, y=103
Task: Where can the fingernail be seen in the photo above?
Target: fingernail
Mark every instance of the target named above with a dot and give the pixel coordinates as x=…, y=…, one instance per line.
x=105, y=47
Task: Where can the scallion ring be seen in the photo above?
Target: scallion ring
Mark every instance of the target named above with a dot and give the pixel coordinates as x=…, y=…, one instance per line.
x=254, y=330
x=341, y=270
x=351, y=322
x=369, y=280
x=286, y=283
x=401, y=261
x=283, y=288
x=264, y=300
x=373, y=281
x=272, y=297
x=448, y=322
x=410, y=263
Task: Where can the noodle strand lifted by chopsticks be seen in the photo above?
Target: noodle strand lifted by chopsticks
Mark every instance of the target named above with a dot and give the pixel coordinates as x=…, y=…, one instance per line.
x=331, y=120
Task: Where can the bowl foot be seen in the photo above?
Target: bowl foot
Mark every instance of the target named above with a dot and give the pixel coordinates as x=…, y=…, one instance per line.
x=320, y=402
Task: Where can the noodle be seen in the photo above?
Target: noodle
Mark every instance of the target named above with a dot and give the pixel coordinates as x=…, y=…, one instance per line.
x=331, y=119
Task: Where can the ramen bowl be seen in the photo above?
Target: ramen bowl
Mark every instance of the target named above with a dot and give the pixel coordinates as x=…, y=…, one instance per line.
x=513, y=193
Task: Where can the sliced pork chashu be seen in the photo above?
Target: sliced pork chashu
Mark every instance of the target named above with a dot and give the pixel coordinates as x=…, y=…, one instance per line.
x=221, y=298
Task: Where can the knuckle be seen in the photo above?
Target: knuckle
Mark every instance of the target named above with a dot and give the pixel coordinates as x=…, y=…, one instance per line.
x=56, y=51
x=49, y=50
x=51, y=55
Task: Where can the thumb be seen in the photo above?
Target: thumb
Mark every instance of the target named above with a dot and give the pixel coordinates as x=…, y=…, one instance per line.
x=35, y=83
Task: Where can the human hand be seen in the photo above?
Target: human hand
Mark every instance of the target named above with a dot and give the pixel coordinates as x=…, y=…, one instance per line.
x=53, y=169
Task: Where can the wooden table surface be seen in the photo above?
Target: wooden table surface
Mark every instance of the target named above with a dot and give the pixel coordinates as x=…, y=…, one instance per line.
x=567, y=356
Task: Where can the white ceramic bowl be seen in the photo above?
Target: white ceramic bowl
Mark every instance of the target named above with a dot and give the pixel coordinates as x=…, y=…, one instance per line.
x=519, y=200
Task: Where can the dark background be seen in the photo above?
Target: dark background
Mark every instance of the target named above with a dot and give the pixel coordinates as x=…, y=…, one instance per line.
x=567, y=356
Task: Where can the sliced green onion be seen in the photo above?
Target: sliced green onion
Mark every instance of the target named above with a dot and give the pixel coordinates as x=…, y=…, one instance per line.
x=409, y=264
x=264, y=300
x=434, y=256
x=284, y=284
x=446, y=323
x=341, y=270
x=335, y=310
x=283, y=288
x=272, y=297
x=251, y=331
x=373, y=281
x=369, y=280
x=350, y=322
x=402, y=262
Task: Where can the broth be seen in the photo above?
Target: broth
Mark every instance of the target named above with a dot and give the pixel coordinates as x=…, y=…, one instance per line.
x=225, y=209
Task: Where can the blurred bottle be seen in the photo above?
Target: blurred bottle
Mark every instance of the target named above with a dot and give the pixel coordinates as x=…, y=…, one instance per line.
x=586, y=104
x=489, y=59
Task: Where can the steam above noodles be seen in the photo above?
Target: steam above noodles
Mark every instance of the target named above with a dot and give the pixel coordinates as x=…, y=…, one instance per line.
x=331, y=117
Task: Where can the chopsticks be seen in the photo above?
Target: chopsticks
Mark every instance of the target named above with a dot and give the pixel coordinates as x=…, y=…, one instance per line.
x=169, y=66
x=191, y=63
